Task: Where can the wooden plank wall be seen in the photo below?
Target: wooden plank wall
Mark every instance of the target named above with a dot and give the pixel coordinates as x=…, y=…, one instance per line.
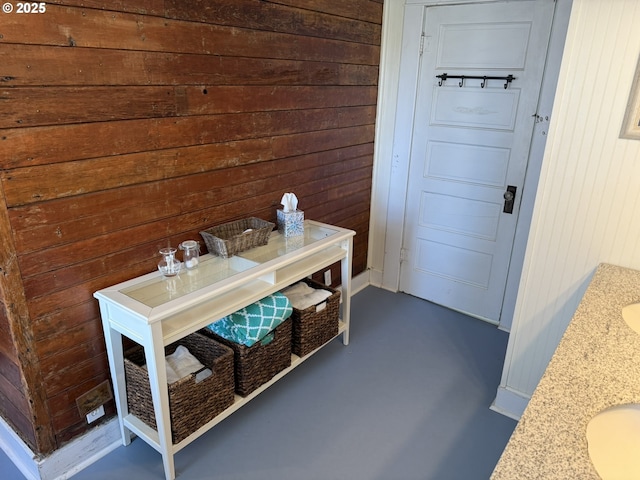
x=22, y=400
x=13, y=397
x=127, y=125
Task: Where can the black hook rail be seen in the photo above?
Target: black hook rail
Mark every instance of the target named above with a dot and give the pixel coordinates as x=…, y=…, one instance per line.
x=444, y=77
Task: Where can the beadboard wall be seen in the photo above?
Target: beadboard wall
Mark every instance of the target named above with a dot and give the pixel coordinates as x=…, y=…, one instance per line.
x=588, y=200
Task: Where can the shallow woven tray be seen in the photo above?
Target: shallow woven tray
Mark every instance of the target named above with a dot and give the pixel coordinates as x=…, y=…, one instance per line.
x=191, y=404
x=259, y=363
x=311, y=328
x=230, y=238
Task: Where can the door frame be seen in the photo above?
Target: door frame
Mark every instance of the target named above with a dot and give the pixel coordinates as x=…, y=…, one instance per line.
x=397, y=88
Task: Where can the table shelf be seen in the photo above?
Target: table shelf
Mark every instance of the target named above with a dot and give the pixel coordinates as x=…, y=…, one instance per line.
x=151, y=436
x=155, y=312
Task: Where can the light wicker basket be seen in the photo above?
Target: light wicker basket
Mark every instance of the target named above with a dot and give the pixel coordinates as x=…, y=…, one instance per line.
x=234, y=237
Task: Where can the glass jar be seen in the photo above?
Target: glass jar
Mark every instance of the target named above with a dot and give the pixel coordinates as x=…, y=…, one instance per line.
x=169, y=266
x=191, y=255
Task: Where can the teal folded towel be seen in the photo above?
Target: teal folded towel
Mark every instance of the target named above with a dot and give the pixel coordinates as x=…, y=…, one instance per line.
x=253, y=323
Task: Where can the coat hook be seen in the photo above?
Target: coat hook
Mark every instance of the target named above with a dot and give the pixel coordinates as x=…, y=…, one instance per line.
x=484, y=81
x=508, y=79
x=461, y=84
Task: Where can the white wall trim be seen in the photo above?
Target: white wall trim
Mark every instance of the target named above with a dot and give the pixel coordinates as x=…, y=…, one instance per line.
x=66, y=461
x=360, y=282
x=400, y=140
x=375, y=277
x=390, y=49
x=510, y=403
x=555, y=51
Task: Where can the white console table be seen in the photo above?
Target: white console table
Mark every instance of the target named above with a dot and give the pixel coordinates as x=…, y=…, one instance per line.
x=155, y=311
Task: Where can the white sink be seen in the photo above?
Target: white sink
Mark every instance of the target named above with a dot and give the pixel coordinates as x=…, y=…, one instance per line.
x=613, y=436
x=631, y=315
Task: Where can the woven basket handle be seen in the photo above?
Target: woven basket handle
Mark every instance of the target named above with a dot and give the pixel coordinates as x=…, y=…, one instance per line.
x=203, y=374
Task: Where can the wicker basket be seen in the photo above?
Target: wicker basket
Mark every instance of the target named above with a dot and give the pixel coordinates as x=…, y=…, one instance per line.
x=230, y=238
x=191, y=403
x=311, y=328
x=259, y=363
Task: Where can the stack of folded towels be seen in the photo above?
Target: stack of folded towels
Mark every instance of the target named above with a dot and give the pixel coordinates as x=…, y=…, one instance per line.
x=180, y=364
x=303, y=296
x=255, y=322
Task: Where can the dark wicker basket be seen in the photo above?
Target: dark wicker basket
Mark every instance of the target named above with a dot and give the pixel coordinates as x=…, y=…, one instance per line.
x=191, y=403
x=311, y=328
x=230, y=238
x=257, y=364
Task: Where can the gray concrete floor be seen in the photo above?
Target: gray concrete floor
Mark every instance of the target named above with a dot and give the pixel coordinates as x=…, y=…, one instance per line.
x=408, y=399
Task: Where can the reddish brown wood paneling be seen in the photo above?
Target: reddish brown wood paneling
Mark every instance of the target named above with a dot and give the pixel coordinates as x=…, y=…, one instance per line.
x=14, y=404
x=83, y=27
x=11, y=384
x=370, y=11
x=52, y=181
x=23, y=400
x=7, y=347
x=31, y=106
x=274, y=17
x=130, y=125
x=45, y=145
x=150, y=7
x=94, y=66
x=15, y=417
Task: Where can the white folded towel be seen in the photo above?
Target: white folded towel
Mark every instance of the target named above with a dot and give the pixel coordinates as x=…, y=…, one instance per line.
x=302, y=296
x=180, y=364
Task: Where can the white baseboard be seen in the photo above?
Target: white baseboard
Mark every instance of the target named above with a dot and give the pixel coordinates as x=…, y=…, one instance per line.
x=375, y=277
x=510, y=403
x=66, y=461
x=360, y=282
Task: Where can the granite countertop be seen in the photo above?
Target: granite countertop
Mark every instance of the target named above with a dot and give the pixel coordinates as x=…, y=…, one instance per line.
x=596, y=365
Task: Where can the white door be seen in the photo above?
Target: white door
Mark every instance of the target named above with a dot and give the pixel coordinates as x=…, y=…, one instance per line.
x=471, y=140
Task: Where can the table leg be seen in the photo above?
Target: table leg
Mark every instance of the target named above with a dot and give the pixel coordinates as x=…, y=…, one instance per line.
x=155, y=356
x=113, y=341
x=346, y=268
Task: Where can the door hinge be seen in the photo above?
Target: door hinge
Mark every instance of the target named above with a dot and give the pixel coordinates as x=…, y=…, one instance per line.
x=404, y=255
x=421, y=43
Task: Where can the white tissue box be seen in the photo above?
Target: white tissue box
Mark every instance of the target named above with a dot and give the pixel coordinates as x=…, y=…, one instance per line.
x=290, y=224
